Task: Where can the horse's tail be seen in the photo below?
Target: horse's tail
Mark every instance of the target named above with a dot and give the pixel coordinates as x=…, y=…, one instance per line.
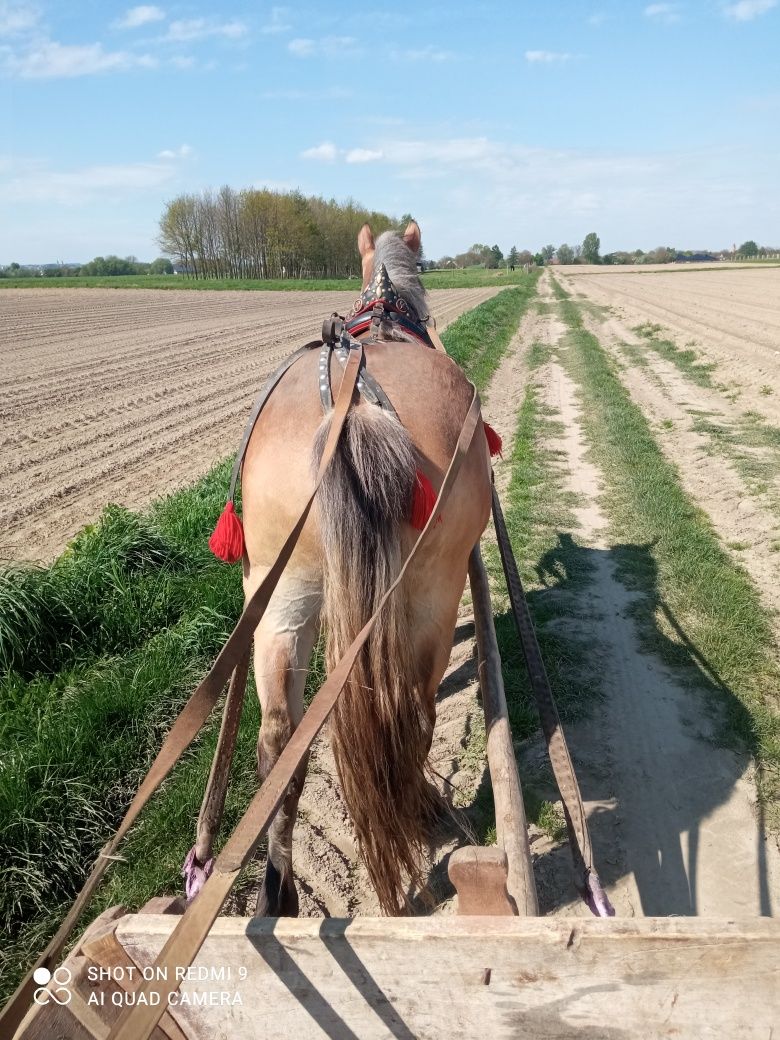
x=381, y=730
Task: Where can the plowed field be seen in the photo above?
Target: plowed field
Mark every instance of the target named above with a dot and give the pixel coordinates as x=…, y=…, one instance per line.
x=125, y=395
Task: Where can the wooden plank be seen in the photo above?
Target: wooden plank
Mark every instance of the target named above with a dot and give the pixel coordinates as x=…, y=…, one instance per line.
x=452, y=978
x=479, y=876
x=511, y=824
x=105, y=952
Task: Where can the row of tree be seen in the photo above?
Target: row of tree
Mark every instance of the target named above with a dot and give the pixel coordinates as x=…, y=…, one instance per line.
x=101, y=265
x=266, y=234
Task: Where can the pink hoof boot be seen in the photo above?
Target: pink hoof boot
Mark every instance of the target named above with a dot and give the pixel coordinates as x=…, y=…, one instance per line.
x=195, y=873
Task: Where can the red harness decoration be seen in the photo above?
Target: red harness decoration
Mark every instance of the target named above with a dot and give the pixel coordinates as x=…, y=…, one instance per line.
x=227, y=539
x=495, y=444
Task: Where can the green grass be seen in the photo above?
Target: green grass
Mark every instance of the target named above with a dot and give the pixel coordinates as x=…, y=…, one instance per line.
x=701, y=610
x=684, y=359
x=162, y=281
x=751, y=443
x=479, y=338
x=471, y=278
x=539, y=515
x=98, y=652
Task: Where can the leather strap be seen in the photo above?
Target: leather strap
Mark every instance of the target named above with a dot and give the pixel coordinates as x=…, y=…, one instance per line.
x=181, y=948
x=436, y=339
x=258, y=406
x=192, y=717
x=213, y=804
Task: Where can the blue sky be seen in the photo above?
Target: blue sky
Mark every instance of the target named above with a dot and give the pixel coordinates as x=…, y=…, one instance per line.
x=510, y=122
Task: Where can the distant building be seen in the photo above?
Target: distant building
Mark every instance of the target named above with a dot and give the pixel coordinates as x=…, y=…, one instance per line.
x=694, y=258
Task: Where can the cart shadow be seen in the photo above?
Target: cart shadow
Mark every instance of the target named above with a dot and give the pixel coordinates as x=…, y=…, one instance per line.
x=665, y=717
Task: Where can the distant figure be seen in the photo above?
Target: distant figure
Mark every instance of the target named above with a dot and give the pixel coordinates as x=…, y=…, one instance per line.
x=511, y=267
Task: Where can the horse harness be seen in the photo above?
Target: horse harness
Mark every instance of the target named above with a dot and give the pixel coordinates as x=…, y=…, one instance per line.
x=379, y=304
x=339, y=337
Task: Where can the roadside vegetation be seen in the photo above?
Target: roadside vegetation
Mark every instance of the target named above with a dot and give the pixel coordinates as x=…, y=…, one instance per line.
x=98, y=652
x=479, y=338
x=707, y=612
x=469, y=278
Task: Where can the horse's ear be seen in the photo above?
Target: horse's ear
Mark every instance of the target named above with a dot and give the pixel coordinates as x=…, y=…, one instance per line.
x=365, y=240
x=412, y=236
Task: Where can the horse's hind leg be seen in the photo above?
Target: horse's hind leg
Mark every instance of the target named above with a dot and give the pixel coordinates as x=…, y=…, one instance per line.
x=283, y=644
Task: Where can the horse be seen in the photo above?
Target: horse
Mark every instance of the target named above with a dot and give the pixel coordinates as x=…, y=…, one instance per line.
x=349, y=552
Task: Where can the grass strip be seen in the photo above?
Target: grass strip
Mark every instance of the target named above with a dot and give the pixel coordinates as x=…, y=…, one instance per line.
x=705, y=609
x=472, y=278
x=479, y=338
x=539, y=514
x=683, y=358
x=98, y=652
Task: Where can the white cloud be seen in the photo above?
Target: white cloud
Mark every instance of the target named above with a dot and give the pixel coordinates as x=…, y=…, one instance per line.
x=546, y=56
x=363, y=155
x=301, y=48
x=137, y=16
x=76, y=187
x=597, y=18
x=328, y=94
x=51, y=60
x=17, y=18
x=662, y=13
x=747, y=10
x=325, y=152
x=279, y=21
x=429, y=53
x=329, y=46
x=184, y=151
x=202, y=28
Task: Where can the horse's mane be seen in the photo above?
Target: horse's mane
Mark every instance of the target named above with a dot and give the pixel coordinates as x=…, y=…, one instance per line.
x=401, y=264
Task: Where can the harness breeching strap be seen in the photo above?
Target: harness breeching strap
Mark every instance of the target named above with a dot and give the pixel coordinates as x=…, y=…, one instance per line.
x=192, y=717
x=138, y=1021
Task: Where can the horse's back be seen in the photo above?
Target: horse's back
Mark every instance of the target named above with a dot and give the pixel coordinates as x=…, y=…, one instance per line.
x=431, y=396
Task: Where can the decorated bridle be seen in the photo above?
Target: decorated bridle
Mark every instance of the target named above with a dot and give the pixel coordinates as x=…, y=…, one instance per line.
x=381, y=302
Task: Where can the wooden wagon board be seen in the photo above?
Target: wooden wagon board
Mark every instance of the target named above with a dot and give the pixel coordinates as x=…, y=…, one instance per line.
x=447, y=977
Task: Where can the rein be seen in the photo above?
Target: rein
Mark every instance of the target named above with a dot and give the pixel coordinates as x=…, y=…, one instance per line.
x=181, y=948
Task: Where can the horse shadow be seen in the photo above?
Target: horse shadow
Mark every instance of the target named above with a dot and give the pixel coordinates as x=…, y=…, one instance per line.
x=653, y=748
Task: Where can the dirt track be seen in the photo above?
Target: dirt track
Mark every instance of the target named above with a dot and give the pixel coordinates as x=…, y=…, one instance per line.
x=673, y=813
x=729, y=316
x=125, y=395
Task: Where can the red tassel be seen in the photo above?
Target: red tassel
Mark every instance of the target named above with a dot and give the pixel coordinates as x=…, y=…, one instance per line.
x=495, y=443
x=227, y=539
x=423, y=501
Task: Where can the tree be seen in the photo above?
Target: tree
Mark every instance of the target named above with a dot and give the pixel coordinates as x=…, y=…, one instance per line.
x=565, y=254
x=538, y=259
x=513, y=257
x=548, y=252
x=748, y=248
x=496, y=257
x=590, y=248
x=161, y=266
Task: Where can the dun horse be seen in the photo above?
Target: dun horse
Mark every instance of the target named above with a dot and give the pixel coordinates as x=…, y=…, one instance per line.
x=350, y=551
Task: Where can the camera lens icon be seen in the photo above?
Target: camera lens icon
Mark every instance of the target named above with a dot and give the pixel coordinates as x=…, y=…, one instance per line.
x=59, y=993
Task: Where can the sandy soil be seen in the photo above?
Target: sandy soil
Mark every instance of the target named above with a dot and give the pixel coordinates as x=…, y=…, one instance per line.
x=745, y=512
x=731, y=317
x=125, y=395
x=673, y=816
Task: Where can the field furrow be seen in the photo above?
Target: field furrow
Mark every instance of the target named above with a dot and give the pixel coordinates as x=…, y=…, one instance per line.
x=124, y=395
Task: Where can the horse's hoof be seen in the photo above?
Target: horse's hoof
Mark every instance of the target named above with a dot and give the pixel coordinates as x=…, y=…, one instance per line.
x=278, y=896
